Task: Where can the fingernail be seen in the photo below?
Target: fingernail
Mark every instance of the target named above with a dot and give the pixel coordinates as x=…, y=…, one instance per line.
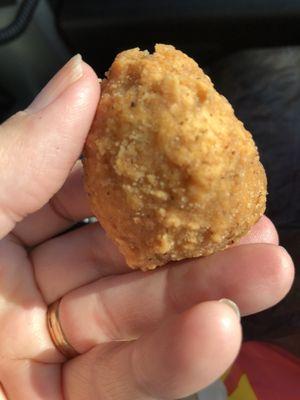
x=70, y=73
x=232, y=305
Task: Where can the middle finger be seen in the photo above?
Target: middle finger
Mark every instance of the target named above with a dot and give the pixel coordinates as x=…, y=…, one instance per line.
x=86, y=254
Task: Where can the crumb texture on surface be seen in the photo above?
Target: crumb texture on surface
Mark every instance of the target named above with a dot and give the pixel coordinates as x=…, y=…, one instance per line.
x=171, y=172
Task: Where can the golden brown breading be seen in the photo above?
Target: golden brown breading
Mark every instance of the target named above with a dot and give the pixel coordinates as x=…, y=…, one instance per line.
x=170, y=170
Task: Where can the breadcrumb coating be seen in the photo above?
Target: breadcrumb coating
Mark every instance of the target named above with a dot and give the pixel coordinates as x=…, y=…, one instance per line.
x=171, y=172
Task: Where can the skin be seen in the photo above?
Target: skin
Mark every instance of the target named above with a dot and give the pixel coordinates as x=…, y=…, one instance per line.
x=156, y=335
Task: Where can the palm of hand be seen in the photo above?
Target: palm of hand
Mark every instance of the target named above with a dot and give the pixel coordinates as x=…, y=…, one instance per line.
x=140, y=336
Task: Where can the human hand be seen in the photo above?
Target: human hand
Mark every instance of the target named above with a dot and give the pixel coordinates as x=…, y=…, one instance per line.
x=154, y=335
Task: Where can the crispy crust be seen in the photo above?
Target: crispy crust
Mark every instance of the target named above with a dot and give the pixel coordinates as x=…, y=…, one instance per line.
x=171, y=172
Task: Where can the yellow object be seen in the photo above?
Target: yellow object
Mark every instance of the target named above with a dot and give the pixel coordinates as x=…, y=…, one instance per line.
x=244, y=390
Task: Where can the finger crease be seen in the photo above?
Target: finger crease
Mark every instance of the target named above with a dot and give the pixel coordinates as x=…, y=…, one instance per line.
x=139, y=378
x=170, y=293
x=31, y=260
x=58, y=208
x=13, y=237
x=113, y=333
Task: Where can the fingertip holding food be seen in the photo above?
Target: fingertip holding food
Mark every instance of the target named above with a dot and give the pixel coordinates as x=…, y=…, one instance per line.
x=171, y=172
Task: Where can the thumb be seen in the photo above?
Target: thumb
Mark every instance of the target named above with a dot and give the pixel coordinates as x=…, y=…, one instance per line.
x=39, y=146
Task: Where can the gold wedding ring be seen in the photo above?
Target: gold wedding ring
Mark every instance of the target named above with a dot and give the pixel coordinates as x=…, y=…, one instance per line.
x=57, y=334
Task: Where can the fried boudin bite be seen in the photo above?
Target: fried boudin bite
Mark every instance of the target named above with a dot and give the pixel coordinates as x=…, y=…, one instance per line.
x=171, y=172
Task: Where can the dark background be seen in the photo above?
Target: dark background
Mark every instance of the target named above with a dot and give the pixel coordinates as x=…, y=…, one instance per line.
x=207, y=30
x=249, y=48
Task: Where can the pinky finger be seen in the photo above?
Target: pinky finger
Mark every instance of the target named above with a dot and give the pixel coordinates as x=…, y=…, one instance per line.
x=183, y=356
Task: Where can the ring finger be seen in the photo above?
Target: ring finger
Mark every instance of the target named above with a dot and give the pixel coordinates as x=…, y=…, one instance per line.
x=124, y=307
x=183, y=355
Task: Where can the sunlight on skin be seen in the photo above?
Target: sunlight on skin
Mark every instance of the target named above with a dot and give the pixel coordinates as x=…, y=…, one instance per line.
x=178, y=337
